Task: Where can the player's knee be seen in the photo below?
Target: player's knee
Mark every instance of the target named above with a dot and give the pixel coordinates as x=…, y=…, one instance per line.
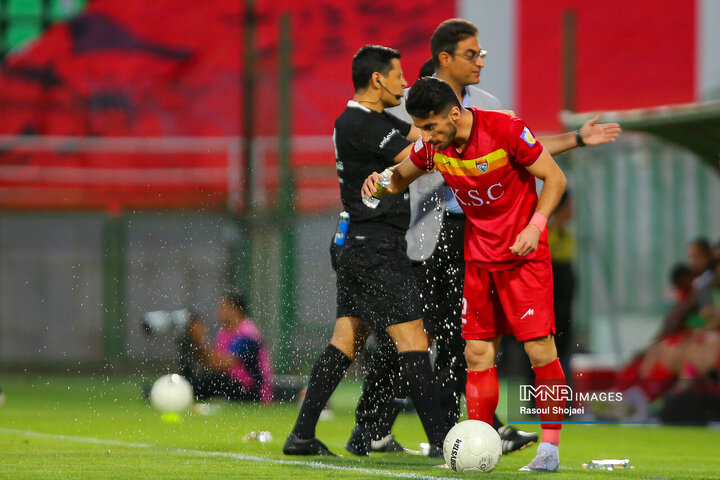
x=541, y=351
x=479, y=355
x=409, y=336
x=348, y=348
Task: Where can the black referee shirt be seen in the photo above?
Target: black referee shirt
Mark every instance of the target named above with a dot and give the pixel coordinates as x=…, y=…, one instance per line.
x=367, y=141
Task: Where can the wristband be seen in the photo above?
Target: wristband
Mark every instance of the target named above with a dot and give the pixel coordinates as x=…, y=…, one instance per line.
x=578, y=139
x=539, y=220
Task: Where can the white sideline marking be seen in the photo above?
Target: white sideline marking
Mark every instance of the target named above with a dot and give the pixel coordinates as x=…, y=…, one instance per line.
x=236, y=456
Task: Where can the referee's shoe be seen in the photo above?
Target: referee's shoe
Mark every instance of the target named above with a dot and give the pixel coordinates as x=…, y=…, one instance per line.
x=295, y=445
x=360, y=443
x=514, y=440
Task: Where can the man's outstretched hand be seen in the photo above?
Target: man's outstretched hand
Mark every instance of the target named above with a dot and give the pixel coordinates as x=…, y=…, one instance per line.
x=594, y=133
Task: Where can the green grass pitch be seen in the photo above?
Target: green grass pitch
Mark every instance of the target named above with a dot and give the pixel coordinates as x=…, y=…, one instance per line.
x=95, y=427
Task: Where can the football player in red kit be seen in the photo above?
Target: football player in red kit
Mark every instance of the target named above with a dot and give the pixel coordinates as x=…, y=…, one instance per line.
x=490, y=161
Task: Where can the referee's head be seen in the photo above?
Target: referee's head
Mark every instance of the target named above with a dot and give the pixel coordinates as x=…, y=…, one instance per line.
x=376, y=69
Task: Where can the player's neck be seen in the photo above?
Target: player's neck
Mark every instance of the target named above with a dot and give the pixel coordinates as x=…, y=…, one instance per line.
x=369, y=99
x=464, y=128
x=457, y=88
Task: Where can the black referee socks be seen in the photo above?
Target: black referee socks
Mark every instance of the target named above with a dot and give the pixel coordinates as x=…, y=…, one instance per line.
x=422, y=389
x=329, y=369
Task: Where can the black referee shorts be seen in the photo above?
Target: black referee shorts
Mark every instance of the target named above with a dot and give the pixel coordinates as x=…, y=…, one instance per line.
x=375, y=281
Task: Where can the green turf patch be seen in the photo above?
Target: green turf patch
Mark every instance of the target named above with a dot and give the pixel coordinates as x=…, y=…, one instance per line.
x=59, y=427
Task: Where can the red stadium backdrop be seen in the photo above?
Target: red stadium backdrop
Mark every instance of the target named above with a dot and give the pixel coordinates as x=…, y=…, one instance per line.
x=172, y=69
x=627, y=55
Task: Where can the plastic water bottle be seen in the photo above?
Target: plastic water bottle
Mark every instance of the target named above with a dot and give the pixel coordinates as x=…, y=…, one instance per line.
x=381, y=185
x=342, y=228
x=608, y=465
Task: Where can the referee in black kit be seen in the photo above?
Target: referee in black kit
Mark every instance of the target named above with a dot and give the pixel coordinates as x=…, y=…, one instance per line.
x=376, y=289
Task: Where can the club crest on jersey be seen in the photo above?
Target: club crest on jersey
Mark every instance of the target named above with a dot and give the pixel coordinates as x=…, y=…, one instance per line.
x=482, y=166
x=528, y=137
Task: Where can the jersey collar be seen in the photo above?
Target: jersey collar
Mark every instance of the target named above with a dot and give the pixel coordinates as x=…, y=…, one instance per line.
x=354, y=104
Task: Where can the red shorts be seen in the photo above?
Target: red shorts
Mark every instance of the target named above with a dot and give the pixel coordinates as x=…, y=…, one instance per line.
x=517, y=302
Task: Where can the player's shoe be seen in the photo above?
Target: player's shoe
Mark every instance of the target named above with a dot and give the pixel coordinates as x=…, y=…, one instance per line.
x=546, y=460
x=387, y=444
x=359, y=442
x=427, y=450
x=295, y=445
x=2, y=397
x=514, y=440
x=431, y=451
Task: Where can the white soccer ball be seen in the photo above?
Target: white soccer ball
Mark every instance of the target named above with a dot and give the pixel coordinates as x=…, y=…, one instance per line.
x=171, y=393
x=472, y=445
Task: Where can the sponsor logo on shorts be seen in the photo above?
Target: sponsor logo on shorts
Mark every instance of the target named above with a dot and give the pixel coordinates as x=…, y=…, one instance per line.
x=530, y=312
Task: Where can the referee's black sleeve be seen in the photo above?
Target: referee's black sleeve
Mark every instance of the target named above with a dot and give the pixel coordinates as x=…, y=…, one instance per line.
x=386, y=139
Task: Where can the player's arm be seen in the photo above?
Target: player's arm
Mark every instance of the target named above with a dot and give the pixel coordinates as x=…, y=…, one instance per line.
x=412, y=135
x=404, y=173
x=554, y=183
x=591, y=133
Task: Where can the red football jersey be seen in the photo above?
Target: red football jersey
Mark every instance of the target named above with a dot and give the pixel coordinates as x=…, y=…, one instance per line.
x=491, y=184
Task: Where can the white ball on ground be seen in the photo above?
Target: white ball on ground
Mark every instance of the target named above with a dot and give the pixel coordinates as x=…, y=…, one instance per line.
x=472, y=445
x=171, y=393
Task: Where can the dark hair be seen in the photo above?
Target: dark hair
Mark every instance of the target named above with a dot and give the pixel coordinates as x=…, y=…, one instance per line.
x=702, y=243
x=448, y=34
x=428, y=68
x=430, y=96
x=236, y=300
x=370, y=59
x=681, y=273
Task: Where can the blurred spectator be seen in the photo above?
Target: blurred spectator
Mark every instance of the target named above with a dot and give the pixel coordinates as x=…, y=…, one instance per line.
x=682, y=279
x=688, y=345
x=700, y=257
x=237, y=366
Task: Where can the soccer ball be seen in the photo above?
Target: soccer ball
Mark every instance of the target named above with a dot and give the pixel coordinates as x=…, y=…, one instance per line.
x=472, y=445
x=171, y=393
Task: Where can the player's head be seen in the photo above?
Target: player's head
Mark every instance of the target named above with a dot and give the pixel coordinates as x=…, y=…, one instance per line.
x=231, y=309
x=377, y=68
x=456, y=52
x=435, y=109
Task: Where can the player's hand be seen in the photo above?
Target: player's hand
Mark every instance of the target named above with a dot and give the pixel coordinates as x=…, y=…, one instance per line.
x=527, y=241
x=368, y=187
x=594, y=133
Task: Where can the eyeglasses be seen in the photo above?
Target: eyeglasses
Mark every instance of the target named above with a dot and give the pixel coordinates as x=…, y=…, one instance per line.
x=472, y=56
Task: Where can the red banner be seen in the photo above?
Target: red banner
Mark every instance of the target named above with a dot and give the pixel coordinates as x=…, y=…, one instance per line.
x=174, y=69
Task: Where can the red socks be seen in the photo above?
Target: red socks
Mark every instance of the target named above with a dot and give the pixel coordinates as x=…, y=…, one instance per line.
x=550, y=374
x=482, y=392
